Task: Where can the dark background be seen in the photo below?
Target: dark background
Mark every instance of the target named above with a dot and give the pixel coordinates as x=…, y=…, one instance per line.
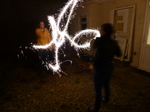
x=19, y=18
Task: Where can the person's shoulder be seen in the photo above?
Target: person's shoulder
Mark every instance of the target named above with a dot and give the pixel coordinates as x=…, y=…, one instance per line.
x=98, y=38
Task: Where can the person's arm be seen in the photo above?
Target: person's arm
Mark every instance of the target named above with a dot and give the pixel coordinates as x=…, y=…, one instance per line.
x=49, y=40
x=35, y=36
x=51, y=47
x=48, y=35
x=95, y=43
x=95, y=46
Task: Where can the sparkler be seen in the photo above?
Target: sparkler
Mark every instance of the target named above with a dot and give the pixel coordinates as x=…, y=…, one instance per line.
x=60, y=34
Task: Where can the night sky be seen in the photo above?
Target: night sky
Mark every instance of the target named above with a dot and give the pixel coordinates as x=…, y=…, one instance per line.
x=19, y=18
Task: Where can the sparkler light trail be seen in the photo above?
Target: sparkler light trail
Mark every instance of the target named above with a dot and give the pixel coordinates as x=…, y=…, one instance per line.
x=60, y=35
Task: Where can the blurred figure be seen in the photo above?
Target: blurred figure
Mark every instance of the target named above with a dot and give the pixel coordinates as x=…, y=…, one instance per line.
x=43, y=38
x=42, y=34
x=105, y=50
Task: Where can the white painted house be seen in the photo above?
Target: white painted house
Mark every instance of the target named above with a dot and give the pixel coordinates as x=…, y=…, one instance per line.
x=131, y=19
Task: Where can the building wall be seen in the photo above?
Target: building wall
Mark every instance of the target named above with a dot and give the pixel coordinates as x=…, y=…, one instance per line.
x=99, y=13
x=139, y=22
x=94, y=18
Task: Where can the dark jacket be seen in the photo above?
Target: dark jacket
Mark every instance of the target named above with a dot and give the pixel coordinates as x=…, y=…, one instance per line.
x=105, y=50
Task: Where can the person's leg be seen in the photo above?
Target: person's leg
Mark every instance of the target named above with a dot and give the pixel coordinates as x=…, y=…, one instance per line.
x=40, y=54
x=98, y=83
x=48, y=59
x=107, y=91
x=45, y=55
x=107, y=85
x=51, y=56
x=98, y=97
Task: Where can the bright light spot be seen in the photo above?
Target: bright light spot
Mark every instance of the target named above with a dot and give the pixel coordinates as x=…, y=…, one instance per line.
x=60, y=35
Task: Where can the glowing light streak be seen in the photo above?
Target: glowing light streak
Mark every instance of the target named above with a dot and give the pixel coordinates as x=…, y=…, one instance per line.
x=60, y=35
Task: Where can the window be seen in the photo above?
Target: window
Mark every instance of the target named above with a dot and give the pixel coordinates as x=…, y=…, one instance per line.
x=83, y=22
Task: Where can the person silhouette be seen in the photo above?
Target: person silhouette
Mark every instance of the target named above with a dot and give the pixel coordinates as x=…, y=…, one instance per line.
x=105, y=49
x=43, y=38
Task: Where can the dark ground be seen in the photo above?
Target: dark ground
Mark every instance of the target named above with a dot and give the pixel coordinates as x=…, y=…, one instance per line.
x=21, y=90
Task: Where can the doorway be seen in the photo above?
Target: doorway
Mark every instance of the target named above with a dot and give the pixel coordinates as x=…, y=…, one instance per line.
x=123, y=21
x=144, y=62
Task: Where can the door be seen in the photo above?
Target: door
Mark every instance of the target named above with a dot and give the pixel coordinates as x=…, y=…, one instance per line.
x=144, y=62
x=123, y=21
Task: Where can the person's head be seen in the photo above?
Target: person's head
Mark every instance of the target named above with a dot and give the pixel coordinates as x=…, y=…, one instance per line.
x=41, y=25
x=106, y=29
